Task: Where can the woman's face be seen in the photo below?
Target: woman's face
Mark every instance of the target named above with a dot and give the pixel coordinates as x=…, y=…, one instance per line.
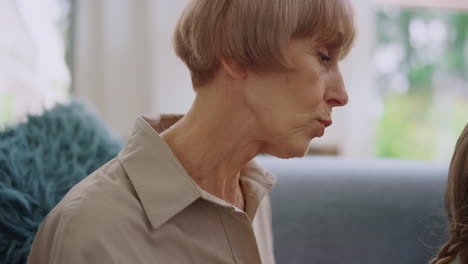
x=292, y=108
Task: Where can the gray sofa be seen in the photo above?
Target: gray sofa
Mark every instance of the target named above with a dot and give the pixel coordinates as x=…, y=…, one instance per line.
x=342, y=211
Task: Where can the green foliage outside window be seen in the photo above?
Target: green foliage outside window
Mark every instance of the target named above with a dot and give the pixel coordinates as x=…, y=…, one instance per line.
x=422, y=62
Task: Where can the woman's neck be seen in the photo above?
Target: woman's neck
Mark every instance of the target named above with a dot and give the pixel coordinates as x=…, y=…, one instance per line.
x=213, y=143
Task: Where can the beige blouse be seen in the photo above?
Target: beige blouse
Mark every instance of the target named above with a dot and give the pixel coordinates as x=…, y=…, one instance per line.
x=143, y=207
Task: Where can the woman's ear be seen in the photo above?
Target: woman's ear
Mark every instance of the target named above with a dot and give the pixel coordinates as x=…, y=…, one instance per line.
x=233, y=68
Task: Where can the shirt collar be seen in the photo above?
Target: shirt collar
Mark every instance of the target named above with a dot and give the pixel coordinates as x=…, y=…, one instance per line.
x=162, y=183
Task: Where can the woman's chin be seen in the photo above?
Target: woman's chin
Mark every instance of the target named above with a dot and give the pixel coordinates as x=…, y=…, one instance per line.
x=295, y=150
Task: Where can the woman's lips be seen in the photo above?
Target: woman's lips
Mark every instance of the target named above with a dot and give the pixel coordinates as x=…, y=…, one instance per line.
x=325, y=123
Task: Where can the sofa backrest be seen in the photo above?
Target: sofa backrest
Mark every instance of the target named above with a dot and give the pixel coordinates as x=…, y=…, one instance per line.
x=342, y=211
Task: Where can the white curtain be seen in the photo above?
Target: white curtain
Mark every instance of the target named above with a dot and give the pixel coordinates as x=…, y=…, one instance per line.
x=124, y=63
x=33, y=74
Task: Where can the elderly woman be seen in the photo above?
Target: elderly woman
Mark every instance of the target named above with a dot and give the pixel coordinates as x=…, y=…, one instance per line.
x=185, y=189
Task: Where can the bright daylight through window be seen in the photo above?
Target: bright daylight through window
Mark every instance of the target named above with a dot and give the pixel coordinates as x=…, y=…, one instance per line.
x=33, y=71
x=422, y=75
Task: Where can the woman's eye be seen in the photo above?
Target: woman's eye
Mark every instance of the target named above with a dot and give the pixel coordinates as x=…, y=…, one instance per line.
x=325, y=58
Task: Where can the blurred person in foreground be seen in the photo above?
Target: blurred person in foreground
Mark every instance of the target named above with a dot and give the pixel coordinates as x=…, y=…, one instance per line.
x=186, y=189
x=455, y=251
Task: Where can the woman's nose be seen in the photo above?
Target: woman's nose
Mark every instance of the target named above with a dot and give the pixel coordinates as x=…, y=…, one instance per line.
x=336, y=94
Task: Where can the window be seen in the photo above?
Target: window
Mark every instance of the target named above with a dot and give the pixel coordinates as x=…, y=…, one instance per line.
x=421, y=64
x=33, y=73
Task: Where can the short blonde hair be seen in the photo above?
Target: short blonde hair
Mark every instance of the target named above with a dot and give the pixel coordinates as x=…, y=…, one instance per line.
x=256, y=33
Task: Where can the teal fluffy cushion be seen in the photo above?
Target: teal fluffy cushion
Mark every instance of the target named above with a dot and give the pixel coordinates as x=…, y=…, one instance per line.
x=40, y=160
